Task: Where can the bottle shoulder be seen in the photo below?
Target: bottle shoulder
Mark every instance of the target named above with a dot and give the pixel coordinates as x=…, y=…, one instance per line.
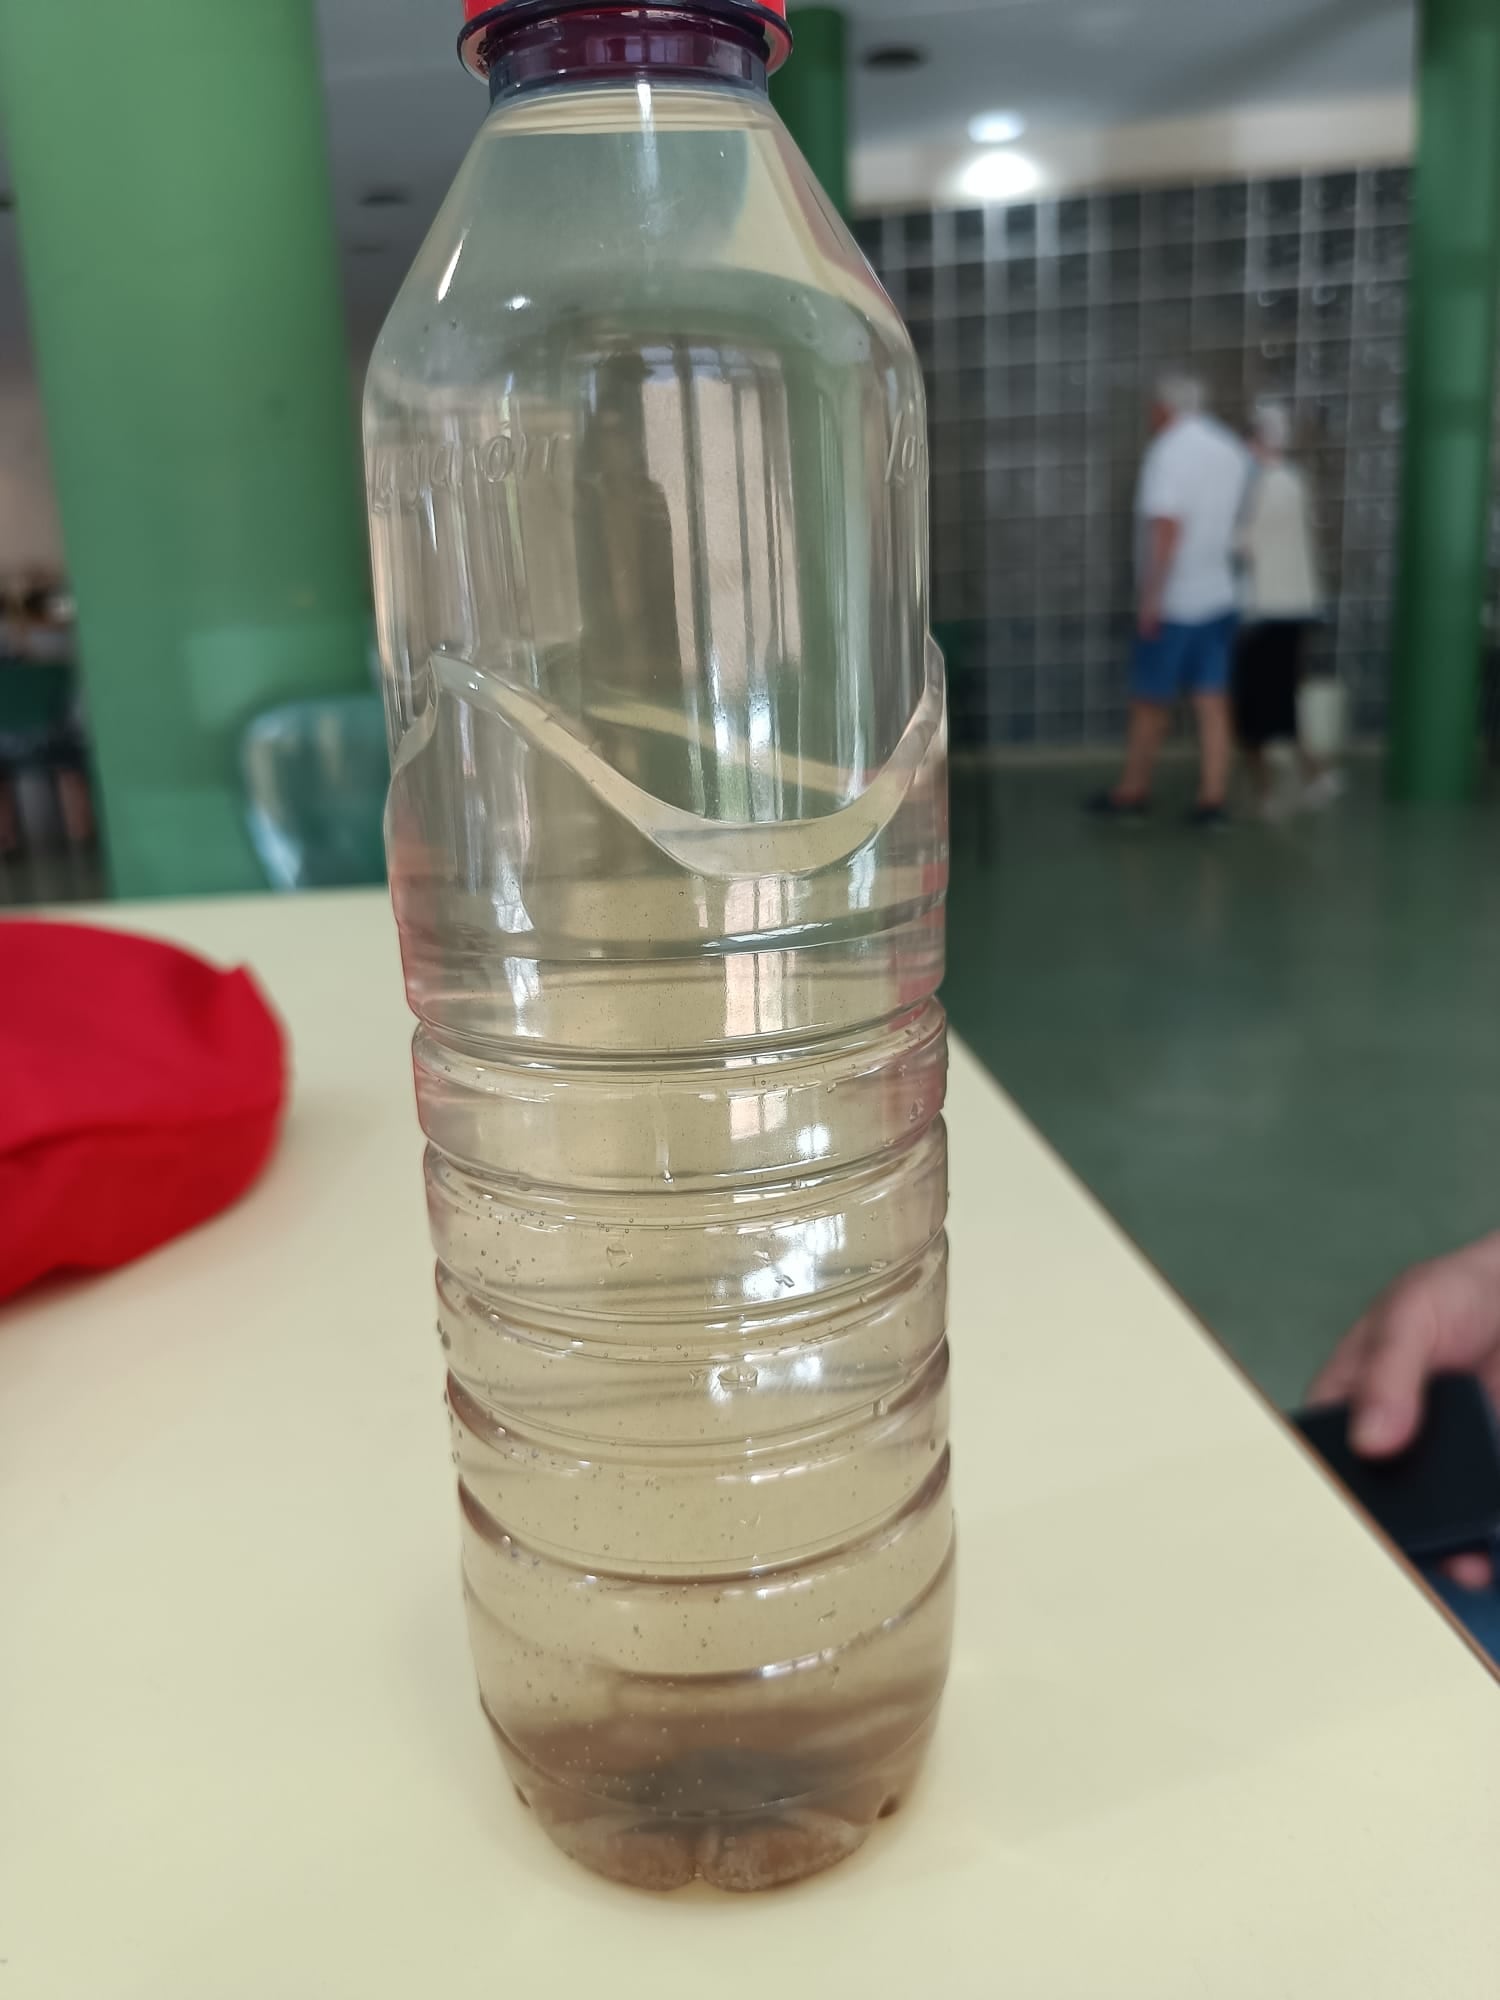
x=579, y=220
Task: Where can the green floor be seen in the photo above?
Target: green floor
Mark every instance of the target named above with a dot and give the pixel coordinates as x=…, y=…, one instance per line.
x=1274, y=1055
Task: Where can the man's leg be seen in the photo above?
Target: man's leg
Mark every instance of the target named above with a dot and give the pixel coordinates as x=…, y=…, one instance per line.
x=1147, y=729
x=1210, y=657
x=1215, y=747
x=1153, y=688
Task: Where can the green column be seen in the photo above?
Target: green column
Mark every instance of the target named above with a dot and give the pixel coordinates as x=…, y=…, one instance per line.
x=1455, y=281
x=172, y=187
x=811, y=92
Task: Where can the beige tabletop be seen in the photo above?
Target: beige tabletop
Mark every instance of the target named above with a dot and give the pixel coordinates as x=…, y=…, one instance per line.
x=1203, y=1737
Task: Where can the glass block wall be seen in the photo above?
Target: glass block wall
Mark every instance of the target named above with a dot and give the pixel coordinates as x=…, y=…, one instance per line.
x=1041, y=328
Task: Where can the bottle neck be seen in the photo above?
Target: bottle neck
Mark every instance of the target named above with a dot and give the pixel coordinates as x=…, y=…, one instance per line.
x=537, y=42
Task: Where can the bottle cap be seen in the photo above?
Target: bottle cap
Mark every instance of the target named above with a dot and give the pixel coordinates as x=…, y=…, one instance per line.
x=768, y=15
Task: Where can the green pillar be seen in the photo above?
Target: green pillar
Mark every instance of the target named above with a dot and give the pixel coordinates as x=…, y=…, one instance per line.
x=172, y=188
x=1455, y=281
x=811, y=92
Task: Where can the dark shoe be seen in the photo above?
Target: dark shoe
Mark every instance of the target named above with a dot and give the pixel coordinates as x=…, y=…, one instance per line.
x=1123, y=812
x=1208, y=819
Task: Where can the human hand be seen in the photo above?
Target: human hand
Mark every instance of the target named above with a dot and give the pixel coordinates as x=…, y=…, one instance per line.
x=1440, y=1316
x=1148, y=621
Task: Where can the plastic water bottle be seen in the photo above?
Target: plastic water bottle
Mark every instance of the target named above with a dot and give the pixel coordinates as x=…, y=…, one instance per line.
x=668, y=850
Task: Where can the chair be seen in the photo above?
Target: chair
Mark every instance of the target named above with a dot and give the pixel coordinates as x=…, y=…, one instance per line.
x=316, y=775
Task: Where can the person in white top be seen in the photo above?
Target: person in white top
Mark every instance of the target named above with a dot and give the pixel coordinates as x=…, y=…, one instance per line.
x=1281, y=595
x=1192, y=487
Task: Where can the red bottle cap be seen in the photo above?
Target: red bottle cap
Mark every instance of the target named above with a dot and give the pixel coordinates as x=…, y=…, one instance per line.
x=474, y=8
x=769, y=15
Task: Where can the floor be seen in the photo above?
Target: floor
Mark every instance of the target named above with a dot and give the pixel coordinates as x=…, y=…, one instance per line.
x=1274, y=1054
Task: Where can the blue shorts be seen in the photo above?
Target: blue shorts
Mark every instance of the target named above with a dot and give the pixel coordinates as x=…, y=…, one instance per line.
x=1184, y=659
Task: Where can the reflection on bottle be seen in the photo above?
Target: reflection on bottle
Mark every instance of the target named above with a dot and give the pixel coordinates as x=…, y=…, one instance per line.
x=626, y=571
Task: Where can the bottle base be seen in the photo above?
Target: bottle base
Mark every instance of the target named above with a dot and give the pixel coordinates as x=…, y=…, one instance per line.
x=740, y=1848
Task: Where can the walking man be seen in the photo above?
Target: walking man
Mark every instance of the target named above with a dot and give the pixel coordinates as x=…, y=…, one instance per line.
x=1192, y=486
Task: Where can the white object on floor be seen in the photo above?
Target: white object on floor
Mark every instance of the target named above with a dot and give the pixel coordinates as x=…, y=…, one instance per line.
x=1323, y=717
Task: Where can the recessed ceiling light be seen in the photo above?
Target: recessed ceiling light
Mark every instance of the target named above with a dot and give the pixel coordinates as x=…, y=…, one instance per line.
x=384, y=197
x=996, y=128
x=1002, y=175
x=895, y=56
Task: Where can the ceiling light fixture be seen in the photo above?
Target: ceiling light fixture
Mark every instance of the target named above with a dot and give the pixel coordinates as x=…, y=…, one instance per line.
x=996, y=128
x=1001, y=175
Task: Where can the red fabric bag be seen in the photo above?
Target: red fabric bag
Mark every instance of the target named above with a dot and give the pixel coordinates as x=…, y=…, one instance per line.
x=140, y=1093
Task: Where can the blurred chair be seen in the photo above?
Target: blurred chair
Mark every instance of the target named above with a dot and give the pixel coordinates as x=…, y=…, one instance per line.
x=316, y=774
x=44, y=788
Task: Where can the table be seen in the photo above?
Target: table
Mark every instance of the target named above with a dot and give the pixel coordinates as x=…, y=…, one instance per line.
x=1204, y=1738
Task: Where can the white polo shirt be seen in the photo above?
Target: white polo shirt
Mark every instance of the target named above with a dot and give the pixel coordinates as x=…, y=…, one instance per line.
x=1196, y=473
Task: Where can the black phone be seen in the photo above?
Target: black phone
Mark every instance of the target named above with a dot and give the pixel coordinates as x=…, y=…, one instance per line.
x=1440, y=1497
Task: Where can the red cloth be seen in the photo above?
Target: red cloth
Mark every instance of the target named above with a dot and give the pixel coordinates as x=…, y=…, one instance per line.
x=140, y=1093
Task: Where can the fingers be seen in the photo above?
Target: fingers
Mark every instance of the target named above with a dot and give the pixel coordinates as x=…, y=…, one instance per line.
x=1388, y=1391
x=1341, y=1373
x=1471, y=1572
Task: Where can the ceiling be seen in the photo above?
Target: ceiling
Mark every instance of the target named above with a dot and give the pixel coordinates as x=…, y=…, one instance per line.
x=1113, y=62
x=402, y=112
